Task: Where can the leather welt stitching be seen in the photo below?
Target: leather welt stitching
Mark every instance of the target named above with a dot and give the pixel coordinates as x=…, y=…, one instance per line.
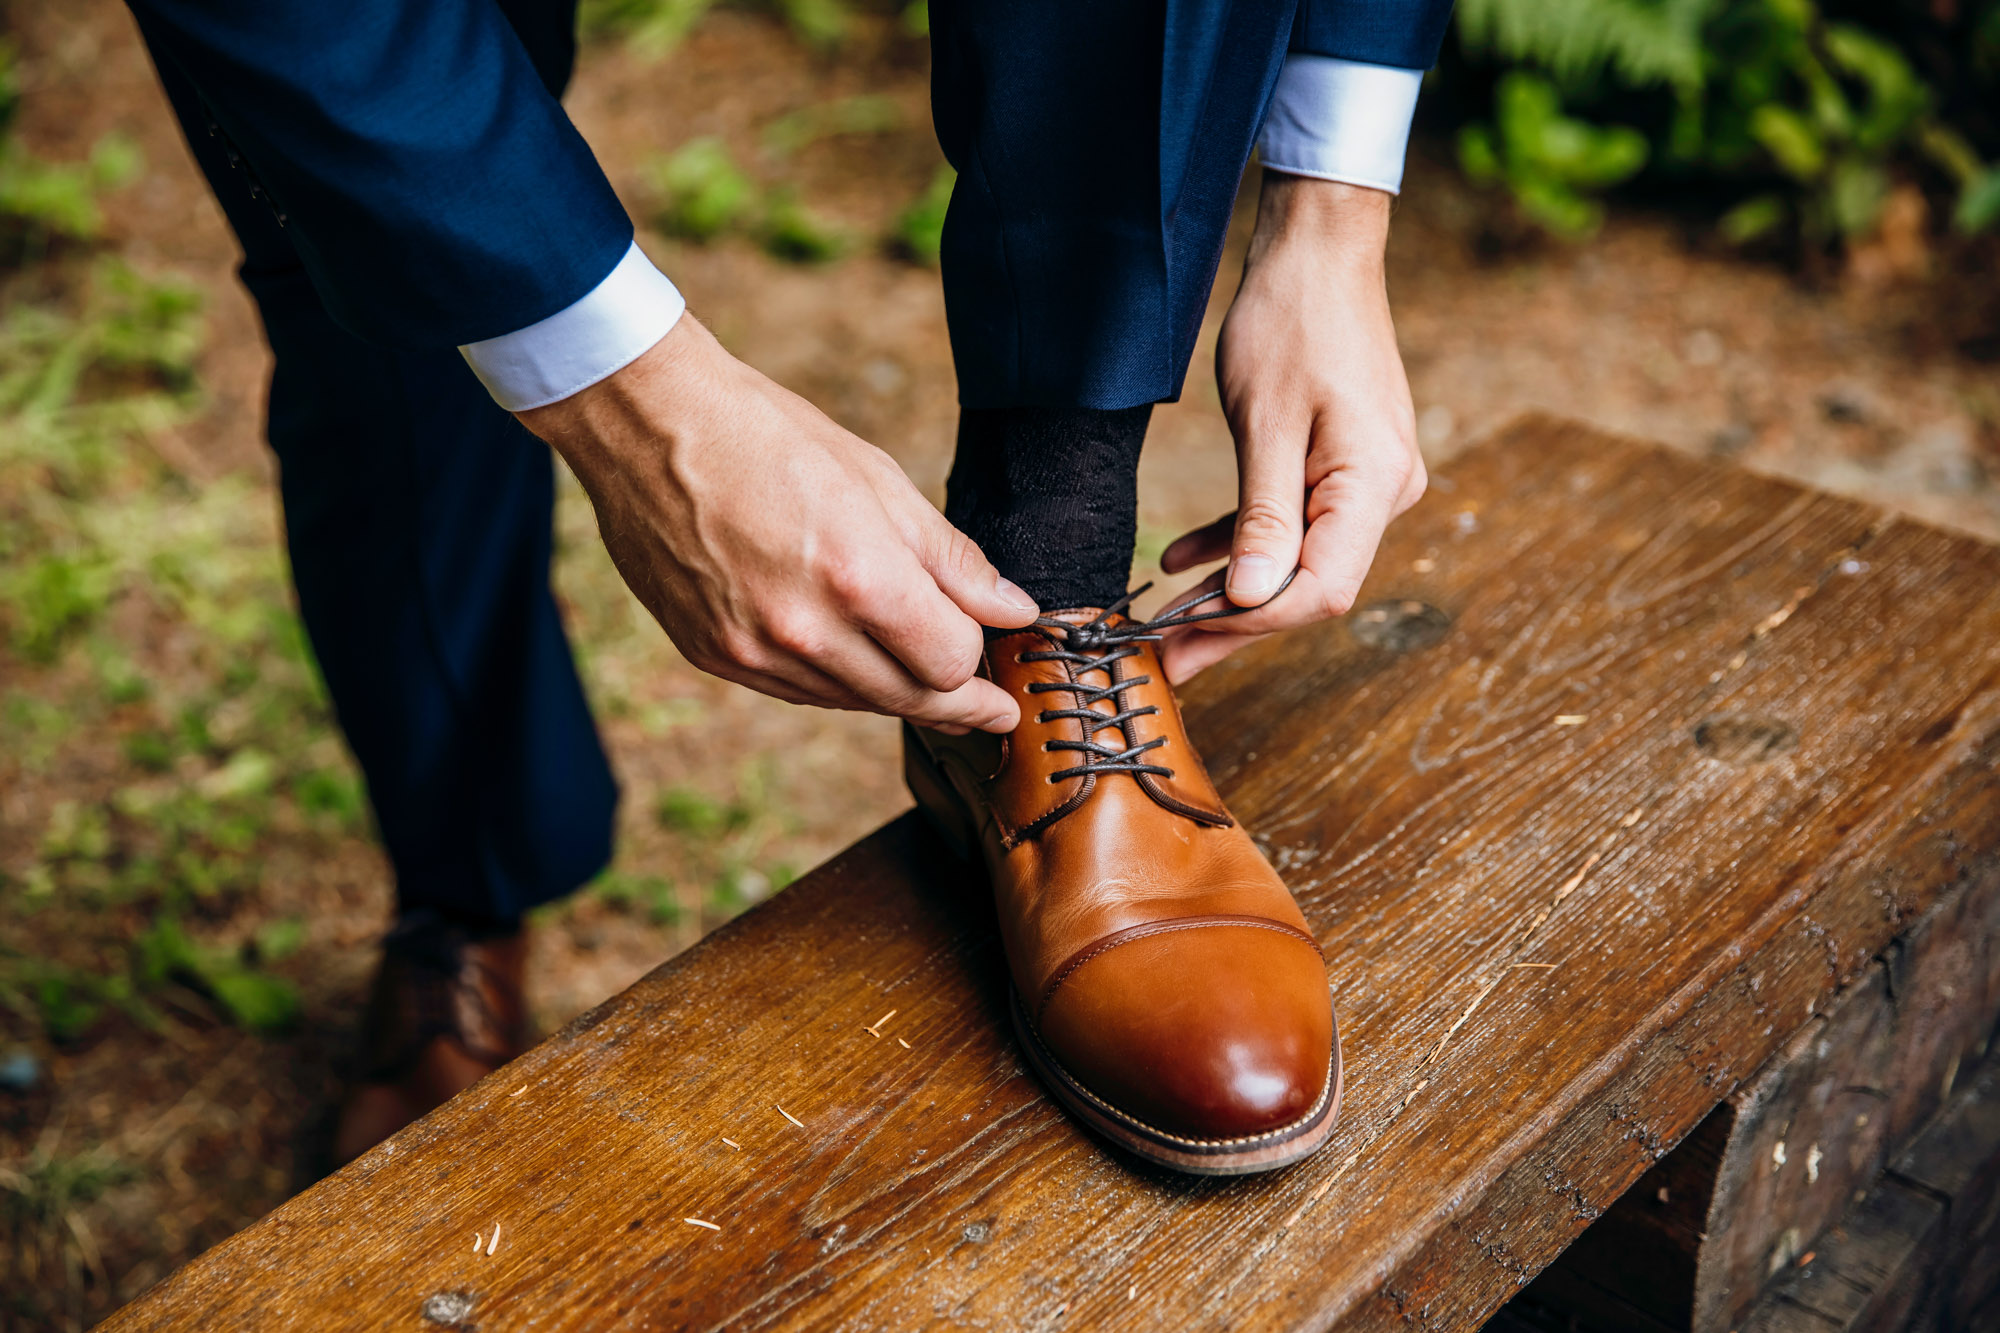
x=1076, y=1086
x=1151, y=928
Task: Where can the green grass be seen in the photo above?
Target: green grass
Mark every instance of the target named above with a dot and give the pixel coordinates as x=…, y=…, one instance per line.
x=919, y=230
x=90, y=521
x=44, y=1188
x=866, y=113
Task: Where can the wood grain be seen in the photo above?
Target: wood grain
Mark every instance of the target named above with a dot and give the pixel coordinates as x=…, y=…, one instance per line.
x=1919, y=1249
x=1850, y=1091
x=1728, y=1212
x=1697, y=902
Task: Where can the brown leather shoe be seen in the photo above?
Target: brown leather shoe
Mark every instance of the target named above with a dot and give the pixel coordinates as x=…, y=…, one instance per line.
x=1166, y=986
x=445, y=1010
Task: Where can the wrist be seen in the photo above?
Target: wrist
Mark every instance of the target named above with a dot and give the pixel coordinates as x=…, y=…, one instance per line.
x=599, y=426
x=1328, y=222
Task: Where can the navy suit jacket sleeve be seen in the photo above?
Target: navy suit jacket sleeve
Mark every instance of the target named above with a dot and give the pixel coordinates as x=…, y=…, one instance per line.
x=1405, y=33
x=432, y=185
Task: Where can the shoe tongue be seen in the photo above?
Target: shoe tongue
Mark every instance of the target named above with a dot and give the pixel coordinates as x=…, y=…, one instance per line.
x=1083, y=615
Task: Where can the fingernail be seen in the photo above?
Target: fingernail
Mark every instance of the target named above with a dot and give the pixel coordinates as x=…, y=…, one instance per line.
x=1000, y=723
x=1252, y=575
x=1012, y=594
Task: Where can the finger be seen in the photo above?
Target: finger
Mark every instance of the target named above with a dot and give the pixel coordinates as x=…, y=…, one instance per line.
x=798, y=681
x=1347, y=513
x=885, y=685
x=1270, y=514
x=961, y=570
x=905, y=612
x=1195, y=651
x=1351, y=510
x=1199, y=546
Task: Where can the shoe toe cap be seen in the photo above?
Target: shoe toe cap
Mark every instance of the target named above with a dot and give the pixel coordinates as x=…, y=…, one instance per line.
x=1213, y=1033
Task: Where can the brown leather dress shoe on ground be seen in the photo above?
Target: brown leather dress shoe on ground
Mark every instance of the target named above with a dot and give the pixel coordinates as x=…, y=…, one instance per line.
x=445, y=1011
x=1166, y=986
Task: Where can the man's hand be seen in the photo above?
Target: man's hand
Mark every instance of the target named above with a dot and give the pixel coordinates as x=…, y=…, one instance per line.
x=778, y=550
x=1313, y=386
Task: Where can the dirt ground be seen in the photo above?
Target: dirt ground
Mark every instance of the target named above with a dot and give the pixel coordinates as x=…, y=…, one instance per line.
x=196, y=1126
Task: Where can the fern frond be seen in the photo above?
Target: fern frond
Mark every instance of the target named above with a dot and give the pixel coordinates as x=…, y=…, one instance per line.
x=1645, y=42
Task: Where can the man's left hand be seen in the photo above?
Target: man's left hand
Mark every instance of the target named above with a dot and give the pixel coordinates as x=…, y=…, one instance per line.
x=1313, y=386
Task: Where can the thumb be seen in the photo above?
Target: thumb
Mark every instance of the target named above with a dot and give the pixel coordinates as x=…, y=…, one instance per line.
x=1270, y=518
x=964, y=574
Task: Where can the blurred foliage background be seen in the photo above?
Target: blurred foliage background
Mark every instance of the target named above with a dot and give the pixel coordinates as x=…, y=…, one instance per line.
x=1797, y=129
x=182, y=830
x=1792, y=126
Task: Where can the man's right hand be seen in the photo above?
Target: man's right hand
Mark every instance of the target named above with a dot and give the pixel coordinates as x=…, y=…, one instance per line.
x=777, y=549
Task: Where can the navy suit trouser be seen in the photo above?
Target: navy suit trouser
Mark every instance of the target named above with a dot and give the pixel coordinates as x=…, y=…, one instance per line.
x=418, y=521
x=1099, y=148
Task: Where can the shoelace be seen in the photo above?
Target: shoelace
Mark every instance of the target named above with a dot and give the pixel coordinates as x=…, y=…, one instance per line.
x=1097, y=645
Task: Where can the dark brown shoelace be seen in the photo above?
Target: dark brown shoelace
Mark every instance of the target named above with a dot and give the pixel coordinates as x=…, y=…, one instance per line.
x=1097, y=645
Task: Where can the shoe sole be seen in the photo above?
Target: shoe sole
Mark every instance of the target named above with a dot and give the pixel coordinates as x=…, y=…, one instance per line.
x=1268, y=1151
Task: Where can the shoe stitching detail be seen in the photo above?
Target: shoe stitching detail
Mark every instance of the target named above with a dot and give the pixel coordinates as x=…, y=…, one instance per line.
x=1126, y=1118
x=1146, y=930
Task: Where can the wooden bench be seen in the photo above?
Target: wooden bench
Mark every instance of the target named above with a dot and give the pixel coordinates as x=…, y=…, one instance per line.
x=1624, y=766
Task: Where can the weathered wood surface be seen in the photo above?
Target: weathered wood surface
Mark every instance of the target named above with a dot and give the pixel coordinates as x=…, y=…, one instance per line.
x=1919, y=1249
x=1850, y=1091
x=1728, y=1212
x=1788, y=749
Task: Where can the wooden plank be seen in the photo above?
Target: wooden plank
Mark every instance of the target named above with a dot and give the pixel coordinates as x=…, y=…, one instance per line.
x=1871, y=1273
x=1695, y=1240
x=1698, y=900
x=1957, y=1158
x=1919, y=1249
x=1852, y=1089
x=1634, y=1268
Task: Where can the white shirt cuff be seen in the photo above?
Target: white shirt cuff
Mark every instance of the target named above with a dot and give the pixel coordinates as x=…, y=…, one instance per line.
x=1340, y=120
x=605, y=330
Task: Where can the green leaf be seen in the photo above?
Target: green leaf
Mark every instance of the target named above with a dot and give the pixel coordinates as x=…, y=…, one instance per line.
x=1477, y=156
x=1978, y=203
x=866, y=113
x=164, y=952
x=685, y=810
x=651, y=894
x=1856, y=191
x=1791, y=141
x=1646, y=42
x=1895, y=97
x=1560, y=209
x=255, y=1000
x=331, y=794
x=919, y=230
x=115, y=161
x=793, y=232
x=1950, y=151
x=703, y=191
x=280, y=938
x=650, y=28
x=249, y=772
x=67, y=1013
x=821, y=24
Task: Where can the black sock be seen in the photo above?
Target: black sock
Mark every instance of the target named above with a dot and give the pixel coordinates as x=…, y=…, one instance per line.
x=1051, y=495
